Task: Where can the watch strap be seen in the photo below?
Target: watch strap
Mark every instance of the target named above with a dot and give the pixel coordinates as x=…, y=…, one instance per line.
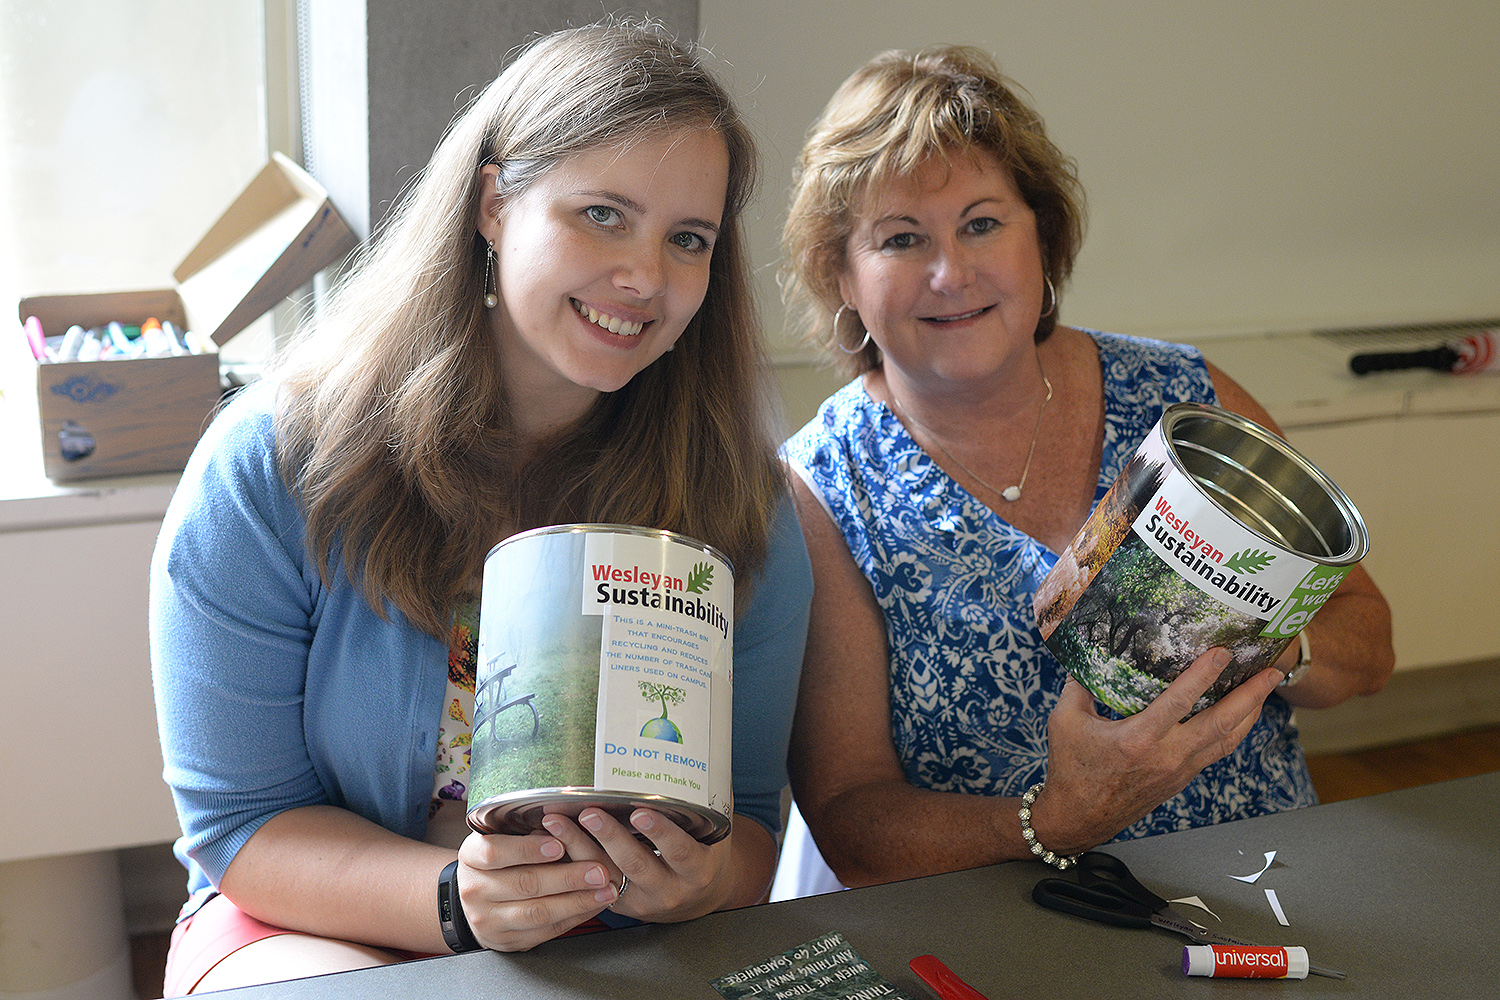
x=1304, y=661
x=457, y=934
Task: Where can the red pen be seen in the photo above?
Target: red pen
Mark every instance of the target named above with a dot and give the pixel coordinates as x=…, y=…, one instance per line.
x=943, y=980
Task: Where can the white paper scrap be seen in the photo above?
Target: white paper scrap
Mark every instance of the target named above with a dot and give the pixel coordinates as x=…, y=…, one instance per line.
x=1250, y=879
x=1195, y=901
x=1276, y=907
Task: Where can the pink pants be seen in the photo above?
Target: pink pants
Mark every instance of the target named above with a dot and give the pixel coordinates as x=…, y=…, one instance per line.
x=218, y=929
x=203, y=940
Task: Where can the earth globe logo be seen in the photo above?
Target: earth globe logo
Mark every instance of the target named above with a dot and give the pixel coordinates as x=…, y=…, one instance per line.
x=661, y=727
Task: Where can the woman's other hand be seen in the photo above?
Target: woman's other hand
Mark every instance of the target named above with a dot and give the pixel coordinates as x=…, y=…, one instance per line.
x=672, y=876
x=520, y=891
x=1104, y=774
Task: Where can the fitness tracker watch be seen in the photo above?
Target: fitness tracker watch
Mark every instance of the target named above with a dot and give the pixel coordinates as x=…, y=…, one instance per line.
x=457, y=934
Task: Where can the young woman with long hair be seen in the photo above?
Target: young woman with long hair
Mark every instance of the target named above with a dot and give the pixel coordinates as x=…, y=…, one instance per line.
x=555, y=326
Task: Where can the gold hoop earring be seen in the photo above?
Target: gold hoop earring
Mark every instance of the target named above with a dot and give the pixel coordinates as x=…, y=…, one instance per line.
x=1053, y=292
x=491, y=298
x=859, y=349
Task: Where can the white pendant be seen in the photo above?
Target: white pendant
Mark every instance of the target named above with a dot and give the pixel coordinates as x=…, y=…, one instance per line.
x=1012, y=493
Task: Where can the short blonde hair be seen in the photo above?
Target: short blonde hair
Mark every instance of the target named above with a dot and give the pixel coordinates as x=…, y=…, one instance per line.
x=895, y=113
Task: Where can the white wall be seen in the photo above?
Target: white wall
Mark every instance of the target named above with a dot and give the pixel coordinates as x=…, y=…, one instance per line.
x=125, y=130
x=1269, y=165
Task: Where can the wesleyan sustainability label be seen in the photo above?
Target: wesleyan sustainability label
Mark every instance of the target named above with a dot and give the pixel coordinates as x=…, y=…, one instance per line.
x=665, y=669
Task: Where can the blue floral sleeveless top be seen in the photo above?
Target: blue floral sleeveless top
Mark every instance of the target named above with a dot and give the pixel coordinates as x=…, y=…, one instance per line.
x=972, y=684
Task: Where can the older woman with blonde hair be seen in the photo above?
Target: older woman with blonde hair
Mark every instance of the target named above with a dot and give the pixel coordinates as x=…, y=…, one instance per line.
x=932, y=231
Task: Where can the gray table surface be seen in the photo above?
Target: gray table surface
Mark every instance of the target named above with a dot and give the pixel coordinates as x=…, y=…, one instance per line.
x=1401, y=891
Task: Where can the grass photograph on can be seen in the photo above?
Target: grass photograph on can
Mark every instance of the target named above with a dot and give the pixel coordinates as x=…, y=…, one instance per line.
x=535, y=725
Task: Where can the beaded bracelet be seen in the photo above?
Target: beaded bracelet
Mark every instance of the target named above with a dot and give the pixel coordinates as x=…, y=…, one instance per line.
x=1062, y=862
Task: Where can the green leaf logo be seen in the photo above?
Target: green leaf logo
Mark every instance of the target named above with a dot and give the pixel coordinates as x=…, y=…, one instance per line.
x=1249, y=561
x=665, y=693
x=699, y=579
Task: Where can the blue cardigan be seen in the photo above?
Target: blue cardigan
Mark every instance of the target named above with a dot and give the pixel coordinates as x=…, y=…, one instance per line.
x=274, y=691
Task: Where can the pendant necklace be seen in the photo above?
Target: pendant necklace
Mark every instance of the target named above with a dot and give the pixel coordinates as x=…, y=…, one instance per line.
x=1011, y=493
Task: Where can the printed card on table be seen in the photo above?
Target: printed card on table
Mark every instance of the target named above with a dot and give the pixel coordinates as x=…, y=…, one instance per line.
x=825, y=968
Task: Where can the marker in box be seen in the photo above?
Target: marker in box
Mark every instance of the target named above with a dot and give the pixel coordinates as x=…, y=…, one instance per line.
x=35, y=338
x=72, y=341
x=114, y=333
x=158, y=344
x=176, y=335
x=93, y=345
x=1241, y=962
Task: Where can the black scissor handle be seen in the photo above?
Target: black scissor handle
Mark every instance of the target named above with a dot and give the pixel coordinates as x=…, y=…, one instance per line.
x=1082, y=901
x=1096, y=869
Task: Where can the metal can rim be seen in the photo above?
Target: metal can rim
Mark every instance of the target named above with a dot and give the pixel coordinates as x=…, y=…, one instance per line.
x=713, y=827
x=620, y=529
x=1360, y=544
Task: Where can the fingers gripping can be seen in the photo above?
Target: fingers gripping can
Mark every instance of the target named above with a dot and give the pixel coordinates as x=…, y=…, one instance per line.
x=1216, y=533
x=605, y=679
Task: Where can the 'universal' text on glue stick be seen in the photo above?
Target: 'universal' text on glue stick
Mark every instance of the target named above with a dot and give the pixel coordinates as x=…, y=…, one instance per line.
x=1244, y=962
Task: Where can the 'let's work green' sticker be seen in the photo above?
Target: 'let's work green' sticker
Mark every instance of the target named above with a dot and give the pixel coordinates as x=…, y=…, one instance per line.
x=1306, y=598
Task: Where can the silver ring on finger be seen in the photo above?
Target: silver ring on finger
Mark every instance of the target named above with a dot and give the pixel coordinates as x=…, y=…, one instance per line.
x=624, y=884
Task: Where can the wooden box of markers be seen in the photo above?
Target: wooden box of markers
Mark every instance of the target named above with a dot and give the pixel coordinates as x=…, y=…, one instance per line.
x=130, y=415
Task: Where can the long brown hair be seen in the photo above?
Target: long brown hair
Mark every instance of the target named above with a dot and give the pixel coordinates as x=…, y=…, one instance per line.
x=887, y=119
x=393, y=426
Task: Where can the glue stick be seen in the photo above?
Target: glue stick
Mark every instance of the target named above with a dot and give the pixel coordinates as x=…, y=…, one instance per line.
x=1243, y=962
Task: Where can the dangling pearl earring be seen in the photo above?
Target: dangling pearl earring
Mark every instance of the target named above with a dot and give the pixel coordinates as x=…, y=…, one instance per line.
x=491, y=300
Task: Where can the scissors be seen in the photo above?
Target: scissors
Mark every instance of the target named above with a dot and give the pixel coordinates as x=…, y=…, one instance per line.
x=1107, y=892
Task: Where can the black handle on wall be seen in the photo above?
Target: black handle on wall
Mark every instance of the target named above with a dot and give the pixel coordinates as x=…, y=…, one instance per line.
x=1437, y=358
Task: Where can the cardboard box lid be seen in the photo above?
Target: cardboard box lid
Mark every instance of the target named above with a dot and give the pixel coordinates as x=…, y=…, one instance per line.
x=89, y=309
x=278, y=233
